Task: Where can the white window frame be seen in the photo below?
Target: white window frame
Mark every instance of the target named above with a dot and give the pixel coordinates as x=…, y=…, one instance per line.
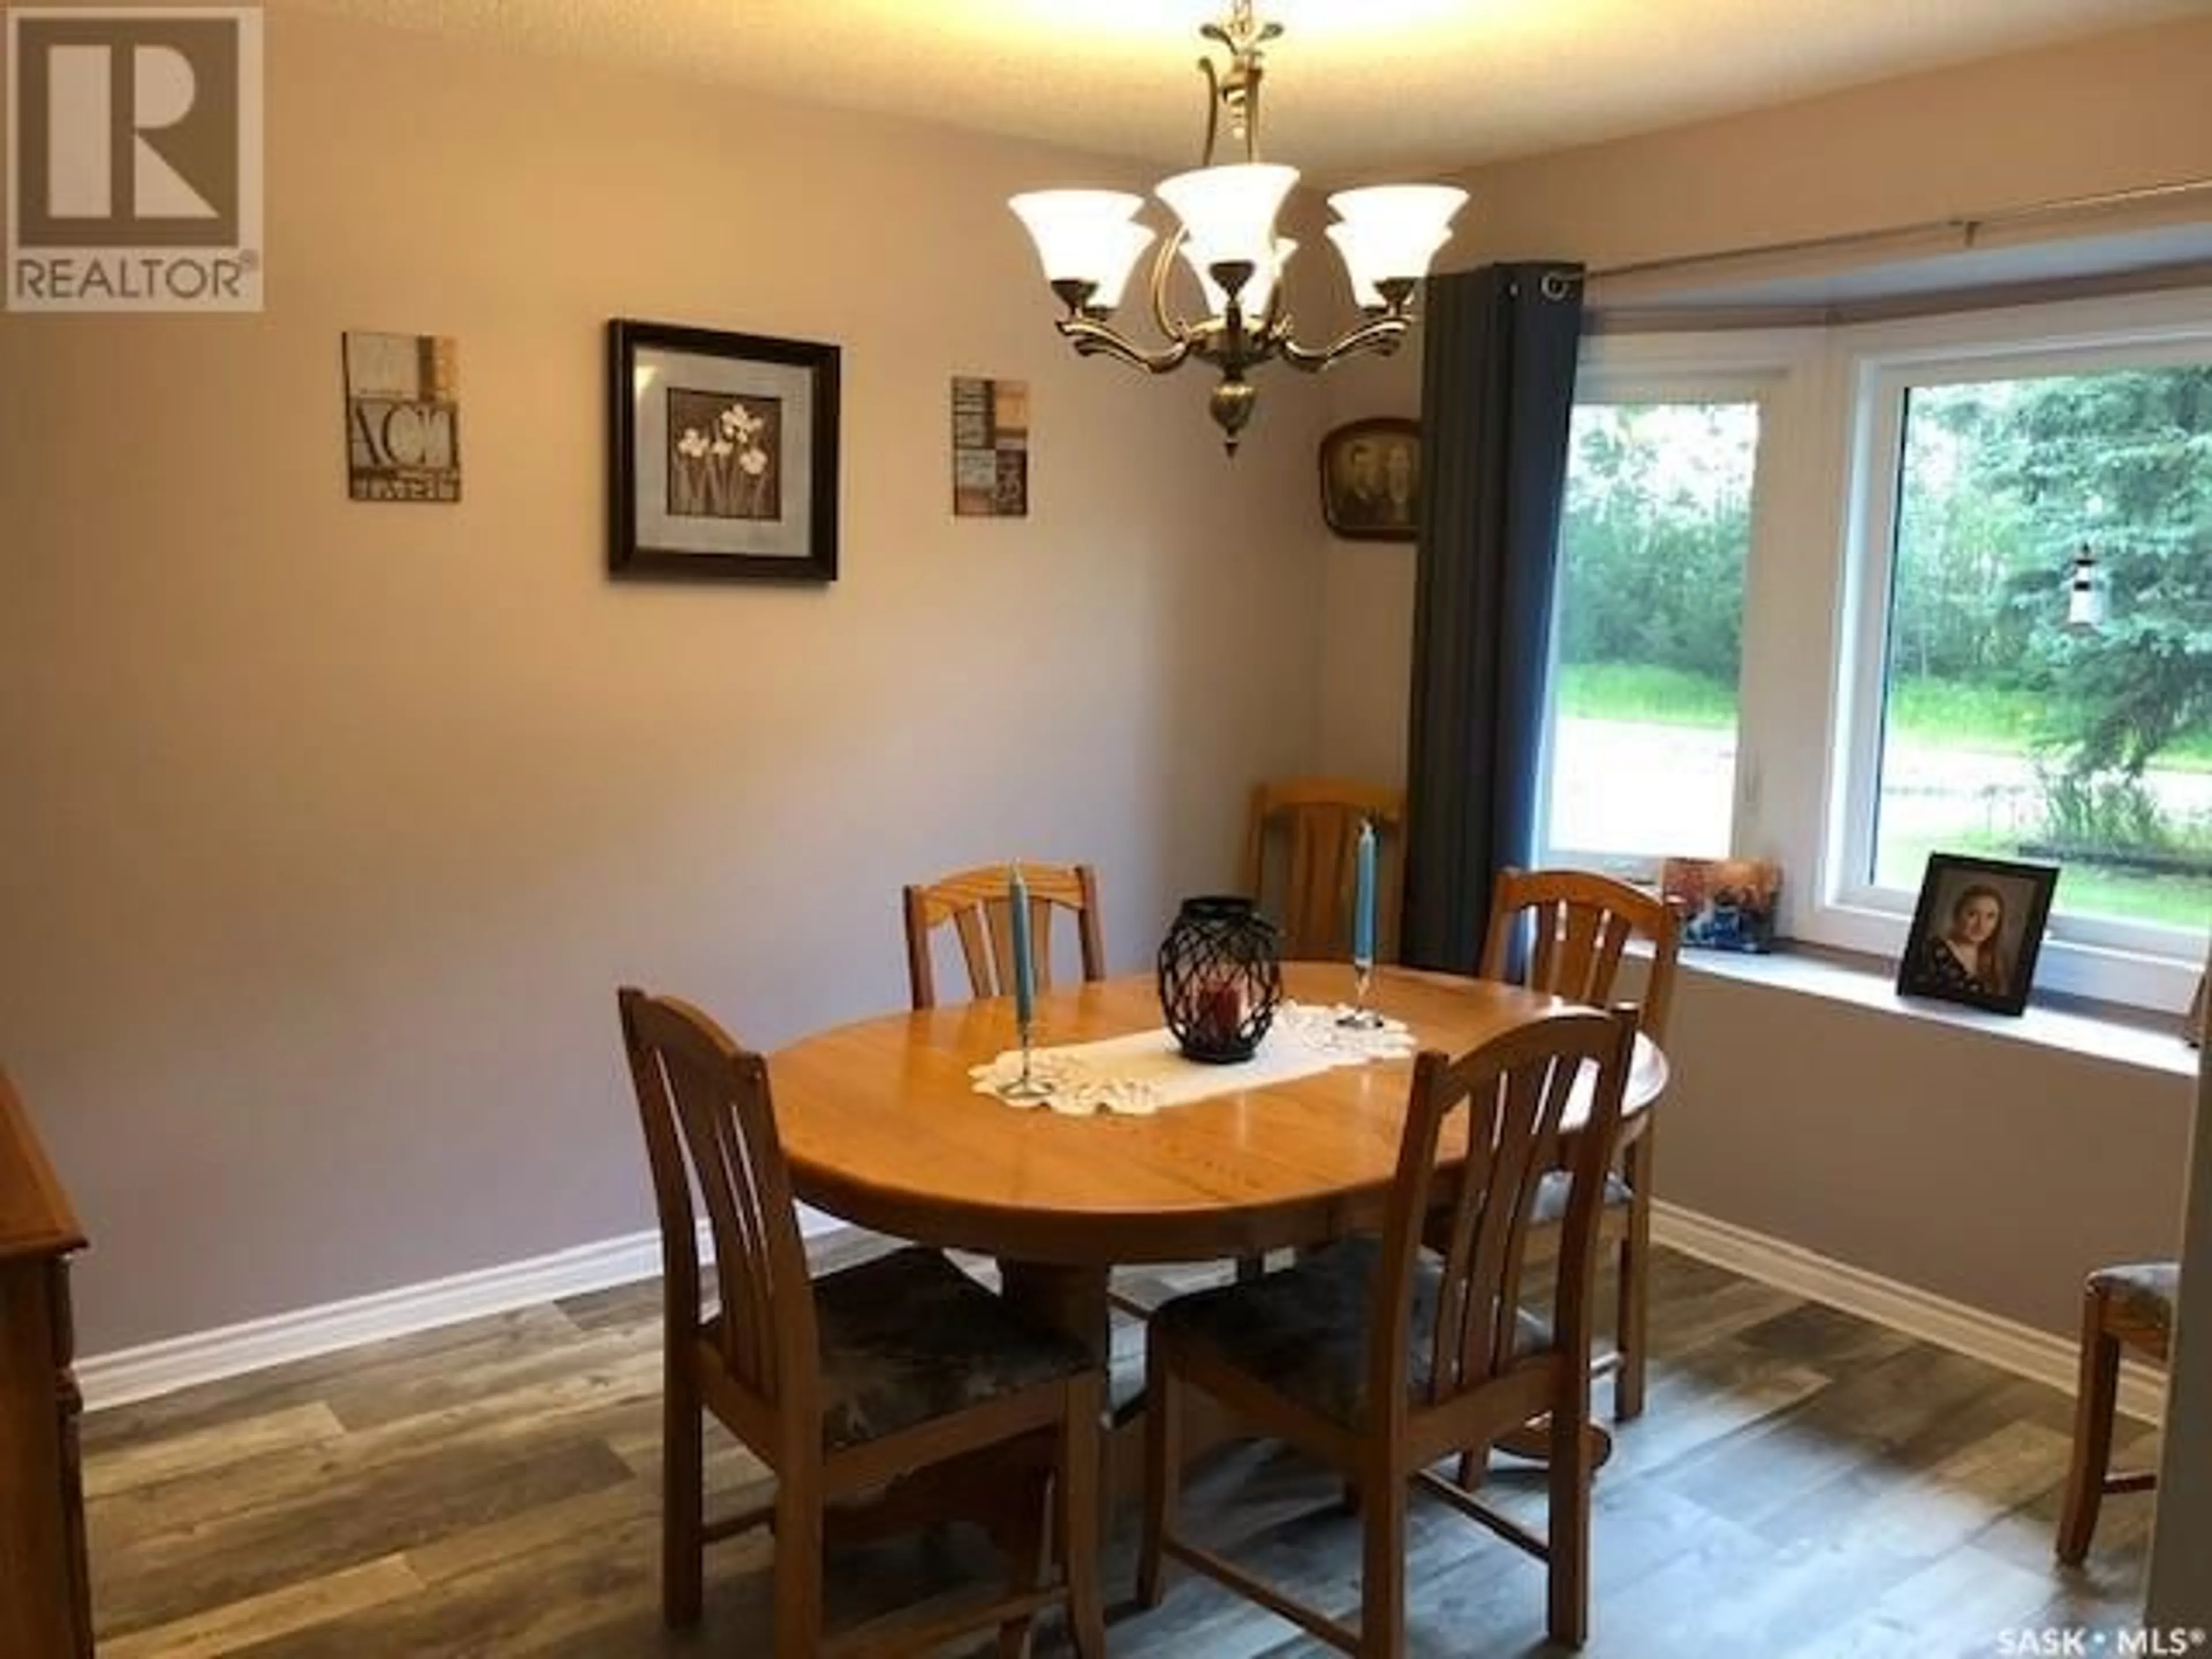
x=2140, y=963
x=1760, y=366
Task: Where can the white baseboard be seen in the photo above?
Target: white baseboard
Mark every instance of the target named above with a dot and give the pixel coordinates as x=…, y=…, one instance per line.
x=2004, y=1343
x=184, y=1361
x=159, y=1368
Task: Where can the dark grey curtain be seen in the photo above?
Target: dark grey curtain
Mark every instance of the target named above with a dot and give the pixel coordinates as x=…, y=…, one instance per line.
x=1498, y=389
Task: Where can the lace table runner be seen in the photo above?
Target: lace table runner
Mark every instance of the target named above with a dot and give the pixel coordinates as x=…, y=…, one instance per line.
x=1145, y=1072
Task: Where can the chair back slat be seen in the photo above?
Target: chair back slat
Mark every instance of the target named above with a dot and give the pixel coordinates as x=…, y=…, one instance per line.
x=1573, y=927
x=1318, y=882
x=709, y=1127
x=983, y=945
x=975, y=903
x=1311, y=827
x=1515, y=1094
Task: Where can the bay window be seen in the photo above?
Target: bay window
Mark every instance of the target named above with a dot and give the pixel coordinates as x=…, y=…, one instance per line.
x=1845, y=597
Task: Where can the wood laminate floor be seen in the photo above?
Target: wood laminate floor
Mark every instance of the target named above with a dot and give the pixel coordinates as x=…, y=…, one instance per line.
x=1804, y=1484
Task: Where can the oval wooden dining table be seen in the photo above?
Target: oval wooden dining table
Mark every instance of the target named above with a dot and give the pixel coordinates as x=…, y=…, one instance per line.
x=881, y=1125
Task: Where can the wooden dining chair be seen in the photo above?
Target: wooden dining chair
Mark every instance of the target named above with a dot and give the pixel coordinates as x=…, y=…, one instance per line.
x=2121, y=1308
x=846, y=1385
x=1565, y=932
x=1379, y=1360
x=1298, y=861
x=974, y=902
x=1302, y=839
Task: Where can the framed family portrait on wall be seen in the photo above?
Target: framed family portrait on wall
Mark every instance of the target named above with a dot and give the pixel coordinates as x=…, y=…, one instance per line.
x=723, y=454
x=1977, y=932
x=1371, y=479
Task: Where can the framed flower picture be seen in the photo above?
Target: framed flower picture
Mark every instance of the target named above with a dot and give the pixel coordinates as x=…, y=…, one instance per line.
x=723, y=454
x=1977, y=932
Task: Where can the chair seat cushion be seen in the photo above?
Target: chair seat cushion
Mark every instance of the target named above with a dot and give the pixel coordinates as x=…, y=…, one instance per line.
x=2143, y=1293
x=907, y=1338
x=1550, y=1208
x=1304, y=1331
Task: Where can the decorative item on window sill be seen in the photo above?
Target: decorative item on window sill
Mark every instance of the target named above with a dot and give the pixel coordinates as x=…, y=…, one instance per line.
x=1977, y=932
x=1220, y=978
x=1724, y=904
x=1089, y=241
x=2085, y=593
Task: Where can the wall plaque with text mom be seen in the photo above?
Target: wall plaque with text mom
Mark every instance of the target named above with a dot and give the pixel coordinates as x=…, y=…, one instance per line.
x=134, y=158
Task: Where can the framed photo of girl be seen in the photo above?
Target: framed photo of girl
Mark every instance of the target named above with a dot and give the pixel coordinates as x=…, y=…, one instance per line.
x=1977, y=932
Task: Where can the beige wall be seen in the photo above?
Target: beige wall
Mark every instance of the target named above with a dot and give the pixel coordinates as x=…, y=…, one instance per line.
x=2180, y=1590
x=328, y=830
x=2112, y=113
x=1988, y=1170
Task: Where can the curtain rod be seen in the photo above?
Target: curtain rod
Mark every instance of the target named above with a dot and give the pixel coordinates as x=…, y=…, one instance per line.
x=1969, y=225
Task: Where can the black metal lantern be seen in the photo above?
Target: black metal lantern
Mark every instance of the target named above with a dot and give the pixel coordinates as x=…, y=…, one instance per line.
x=1220, y=978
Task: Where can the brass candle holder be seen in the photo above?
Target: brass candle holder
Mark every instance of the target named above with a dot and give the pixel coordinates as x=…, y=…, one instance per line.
x=1028, y=1085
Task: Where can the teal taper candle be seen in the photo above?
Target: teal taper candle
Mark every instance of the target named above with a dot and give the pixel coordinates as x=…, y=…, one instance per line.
x=1363, y=896
x=1017, y=905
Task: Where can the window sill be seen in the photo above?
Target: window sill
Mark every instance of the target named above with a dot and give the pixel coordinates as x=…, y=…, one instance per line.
x=2124, y=1037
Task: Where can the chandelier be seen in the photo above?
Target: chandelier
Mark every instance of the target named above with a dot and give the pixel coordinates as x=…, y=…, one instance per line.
x=1090, y=241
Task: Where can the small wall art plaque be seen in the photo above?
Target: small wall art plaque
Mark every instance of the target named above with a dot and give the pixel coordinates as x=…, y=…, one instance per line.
x=990, y=448
x=402, y=417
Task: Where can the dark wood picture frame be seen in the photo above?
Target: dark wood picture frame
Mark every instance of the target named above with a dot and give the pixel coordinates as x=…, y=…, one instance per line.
x=722, y=455
x=1371, y=479
x=1953, y=885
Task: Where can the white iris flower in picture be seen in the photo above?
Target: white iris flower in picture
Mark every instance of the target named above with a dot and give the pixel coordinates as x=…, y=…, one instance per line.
x=724, y=455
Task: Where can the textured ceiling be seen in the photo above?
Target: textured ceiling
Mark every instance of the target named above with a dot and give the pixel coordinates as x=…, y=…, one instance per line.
x=1354, y=88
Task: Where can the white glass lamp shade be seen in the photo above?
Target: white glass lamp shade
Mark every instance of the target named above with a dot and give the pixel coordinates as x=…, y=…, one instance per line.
x=1388, y=231
x=1086, y=235
x=1228, y=212
x=1253, y=301
x=1365, y=292
x=1122, y=254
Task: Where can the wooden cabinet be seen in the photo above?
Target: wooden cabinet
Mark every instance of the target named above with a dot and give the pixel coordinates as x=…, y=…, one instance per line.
x=45, y=1603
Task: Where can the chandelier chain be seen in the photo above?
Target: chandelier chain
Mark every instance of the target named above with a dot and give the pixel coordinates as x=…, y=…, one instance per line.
x=1236, y=88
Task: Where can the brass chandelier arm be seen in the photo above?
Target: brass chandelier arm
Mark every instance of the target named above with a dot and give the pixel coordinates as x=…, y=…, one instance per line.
x=1380, y=335
x=1232, y=340
x=1092, y=338
x=1170, y=326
